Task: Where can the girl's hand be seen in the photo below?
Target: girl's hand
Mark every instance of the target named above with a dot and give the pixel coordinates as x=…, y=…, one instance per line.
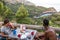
x=10, y=25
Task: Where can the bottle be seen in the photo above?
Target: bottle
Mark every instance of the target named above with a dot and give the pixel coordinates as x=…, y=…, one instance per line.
x=14, y=32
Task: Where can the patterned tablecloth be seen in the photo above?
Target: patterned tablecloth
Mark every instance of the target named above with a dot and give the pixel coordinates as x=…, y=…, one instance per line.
x=27, y=35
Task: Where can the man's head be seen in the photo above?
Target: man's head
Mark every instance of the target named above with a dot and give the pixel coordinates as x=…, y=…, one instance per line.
x=45, y=22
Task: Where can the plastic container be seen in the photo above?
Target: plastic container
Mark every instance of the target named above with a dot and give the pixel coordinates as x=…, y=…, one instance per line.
x=14, y=32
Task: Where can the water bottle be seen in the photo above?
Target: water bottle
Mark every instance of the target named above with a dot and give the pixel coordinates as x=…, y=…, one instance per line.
x=14, y=32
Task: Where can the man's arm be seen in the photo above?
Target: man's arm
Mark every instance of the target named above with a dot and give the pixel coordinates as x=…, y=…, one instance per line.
x=52, y=35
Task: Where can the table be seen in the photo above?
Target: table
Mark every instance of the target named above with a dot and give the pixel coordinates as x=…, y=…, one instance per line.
x=26, y=35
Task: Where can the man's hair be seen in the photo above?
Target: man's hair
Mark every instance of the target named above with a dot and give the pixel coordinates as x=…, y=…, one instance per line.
x=45, y=22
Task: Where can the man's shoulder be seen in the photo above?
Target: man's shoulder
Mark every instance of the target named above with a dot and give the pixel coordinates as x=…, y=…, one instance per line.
x=50, y=31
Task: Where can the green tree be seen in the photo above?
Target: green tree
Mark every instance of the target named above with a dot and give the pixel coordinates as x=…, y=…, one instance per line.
x=3, y=8
x=22, y=12
x=2, y=1
x=26, y=20
x=22, y=16
x=8, y=13
x=55, y=20
x=5, y=11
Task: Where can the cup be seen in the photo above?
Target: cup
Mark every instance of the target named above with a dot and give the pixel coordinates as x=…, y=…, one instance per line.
x=19, y=35
x=32, y=33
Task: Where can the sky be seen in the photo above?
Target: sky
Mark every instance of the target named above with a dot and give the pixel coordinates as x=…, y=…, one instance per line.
x=47, y=3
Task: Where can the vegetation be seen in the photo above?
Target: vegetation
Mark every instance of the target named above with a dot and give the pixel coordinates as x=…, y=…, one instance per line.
x=32, y=10
x=35, y=11
x=5, y=11
x=13, y=7
x=24, y=14
x=54, y=20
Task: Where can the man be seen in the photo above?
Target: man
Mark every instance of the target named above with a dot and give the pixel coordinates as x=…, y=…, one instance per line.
x=49, y=32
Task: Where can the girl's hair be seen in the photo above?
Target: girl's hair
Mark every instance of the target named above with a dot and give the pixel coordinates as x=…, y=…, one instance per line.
x=6, y=21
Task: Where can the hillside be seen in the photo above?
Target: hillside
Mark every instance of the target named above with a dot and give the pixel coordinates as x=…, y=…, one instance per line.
x=19, y=1
x=32, y=9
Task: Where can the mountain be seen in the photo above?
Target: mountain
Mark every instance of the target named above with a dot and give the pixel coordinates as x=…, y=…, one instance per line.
x=51, y=9
x=19, y=1
x=28, y=3
x=10, y=1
